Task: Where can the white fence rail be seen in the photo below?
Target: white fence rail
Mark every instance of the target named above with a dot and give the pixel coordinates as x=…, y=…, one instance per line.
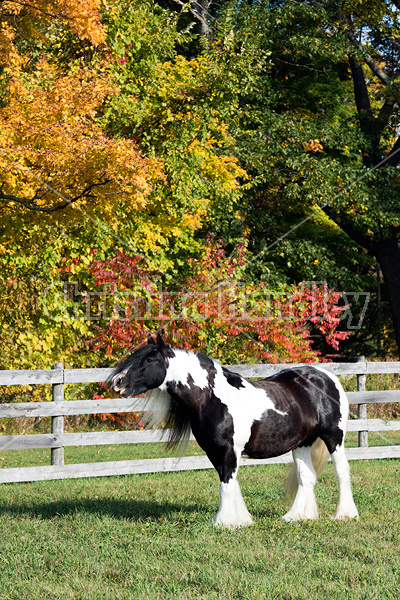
x=58, y=408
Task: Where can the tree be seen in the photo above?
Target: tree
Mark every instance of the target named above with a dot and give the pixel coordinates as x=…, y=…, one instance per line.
x=53, y=152
x=178, y=107
x=116, y=139
x=375, y=68
x=321, y=135
x=109, y=139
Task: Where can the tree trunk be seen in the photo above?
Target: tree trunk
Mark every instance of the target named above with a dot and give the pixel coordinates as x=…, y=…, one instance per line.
x=201, y=7
x=387, y=253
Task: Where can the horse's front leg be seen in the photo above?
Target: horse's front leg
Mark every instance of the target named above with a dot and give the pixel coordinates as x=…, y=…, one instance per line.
x=232, y=511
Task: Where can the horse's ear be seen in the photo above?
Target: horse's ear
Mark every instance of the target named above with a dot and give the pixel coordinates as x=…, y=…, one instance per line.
x=164, y=348
x=150, y=339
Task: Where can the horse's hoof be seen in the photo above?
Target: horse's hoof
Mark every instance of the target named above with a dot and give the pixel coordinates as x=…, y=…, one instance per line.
x=231, y=524
x=290, y=518
x=349, y=517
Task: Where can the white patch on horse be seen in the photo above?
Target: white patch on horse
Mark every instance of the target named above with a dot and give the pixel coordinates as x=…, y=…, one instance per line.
x=181, y=366
x=246, y=405
x=117, y=378
x=305, y=504
x=346, y=509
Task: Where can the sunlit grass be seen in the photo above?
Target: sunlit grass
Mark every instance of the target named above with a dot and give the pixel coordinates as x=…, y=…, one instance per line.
x=150, y=537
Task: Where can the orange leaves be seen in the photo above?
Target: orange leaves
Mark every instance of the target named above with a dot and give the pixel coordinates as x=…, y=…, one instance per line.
x=53, y=147
x=49, y=130
x=82, y=16
x=314, y=146
x=84, y=19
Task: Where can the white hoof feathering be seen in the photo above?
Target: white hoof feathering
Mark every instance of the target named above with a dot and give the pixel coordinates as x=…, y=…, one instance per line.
x=305, y=504
x=346, y=509
x=347, y=514
x=310, y=513
x=233, y=512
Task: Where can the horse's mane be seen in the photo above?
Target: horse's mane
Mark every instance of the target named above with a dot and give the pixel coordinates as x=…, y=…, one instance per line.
x=163, y=412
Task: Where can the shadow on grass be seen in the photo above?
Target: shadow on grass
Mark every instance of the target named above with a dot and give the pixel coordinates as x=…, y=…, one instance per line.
x=134, y=510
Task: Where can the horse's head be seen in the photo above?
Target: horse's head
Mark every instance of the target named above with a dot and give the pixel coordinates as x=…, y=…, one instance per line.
x=142, y=370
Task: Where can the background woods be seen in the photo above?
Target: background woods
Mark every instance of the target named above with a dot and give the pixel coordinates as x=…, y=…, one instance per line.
x=164, y=154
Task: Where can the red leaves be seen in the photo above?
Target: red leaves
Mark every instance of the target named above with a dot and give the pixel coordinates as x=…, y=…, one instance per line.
x=215, y=311
x=118, y=418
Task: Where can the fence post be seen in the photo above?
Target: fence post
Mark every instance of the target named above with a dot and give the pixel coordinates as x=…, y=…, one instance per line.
x=362, y=408
x=57, y=423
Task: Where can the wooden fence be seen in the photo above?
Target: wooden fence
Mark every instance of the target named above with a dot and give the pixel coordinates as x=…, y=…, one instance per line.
x=57, y=440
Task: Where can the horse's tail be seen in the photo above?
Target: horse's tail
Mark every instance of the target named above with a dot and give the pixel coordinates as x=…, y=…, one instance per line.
x=319, y=457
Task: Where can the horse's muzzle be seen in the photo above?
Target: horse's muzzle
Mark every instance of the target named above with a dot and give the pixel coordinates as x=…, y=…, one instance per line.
x=117, y=383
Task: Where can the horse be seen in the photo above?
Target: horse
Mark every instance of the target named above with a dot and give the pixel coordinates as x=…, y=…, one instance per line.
x=302, y=409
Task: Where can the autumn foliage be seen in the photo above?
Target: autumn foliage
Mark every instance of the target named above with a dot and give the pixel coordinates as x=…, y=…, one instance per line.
x=215, y=311
x=129, y=147
x=53, y=149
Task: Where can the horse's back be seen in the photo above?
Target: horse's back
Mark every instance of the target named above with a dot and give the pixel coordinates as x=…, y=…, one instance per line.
x=313, y=403
x=307, y=384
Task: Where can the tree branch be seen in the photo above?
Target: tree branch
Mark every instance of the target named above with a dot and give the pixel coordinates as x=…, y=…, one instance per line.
x=200, y=18
x=32, y=204
x=394, y=155
x=385, y=113
x=381, y=75
x=361, y=95
x=352, y=232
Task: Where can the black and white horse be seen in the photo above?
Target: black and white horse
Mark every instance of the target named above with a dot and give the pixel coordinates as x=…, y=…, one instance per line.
x=230, y=416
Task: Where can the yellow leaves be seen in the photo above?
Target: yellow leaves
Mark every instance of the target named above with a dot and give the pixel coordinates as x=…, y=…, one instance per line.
x=9, y=56
x=221, y=168
x=193, y=221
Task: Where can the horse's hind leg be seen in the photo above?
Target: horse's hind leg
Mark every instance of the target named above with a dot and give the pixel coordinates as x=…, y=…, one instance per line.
x=346, y=509
x=305, y=504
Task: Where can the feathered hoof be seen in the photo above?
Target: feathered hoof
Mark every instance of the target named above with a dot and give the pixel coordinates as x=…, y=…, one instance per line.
x=230, y=523
x=291, y=517
x=346, y=517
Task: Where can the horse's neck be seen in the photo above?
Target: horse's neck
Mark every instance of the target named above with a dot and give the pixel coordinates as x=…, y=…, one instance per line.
x=185, y=367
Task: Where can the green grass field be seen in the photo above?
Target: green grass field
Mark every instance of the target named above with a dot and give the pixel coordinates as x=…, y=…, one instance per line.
x=150, y=537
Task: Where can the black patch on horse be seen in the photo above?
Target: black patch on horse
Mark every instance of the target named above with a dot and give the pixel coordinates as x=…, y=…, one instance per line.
x=210, y=421
x=208, y=365
x=233, y=379
x=213, y=429
x=311, y=397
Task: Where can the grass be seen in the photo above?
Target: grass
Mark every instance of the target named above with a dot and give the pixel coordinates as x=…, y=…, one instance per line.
x=150, y=537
